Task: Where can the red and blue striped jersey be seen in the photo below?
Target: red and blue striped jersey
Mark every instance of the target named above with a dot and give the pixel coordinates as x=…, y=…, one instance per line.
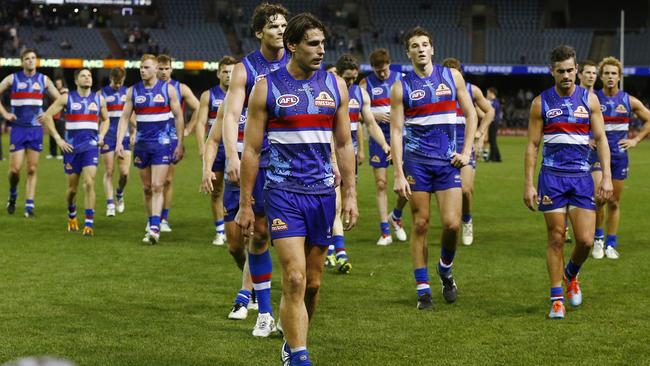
x=566, y=132
x=430, y=116
x=26, y=97
x=354, y=109
x=379, y=92
x=616, y=113
x=461, y=121
x=152, y=112
x=171, y=128
x=115, y=99
x=82, y=120
x=300, y=121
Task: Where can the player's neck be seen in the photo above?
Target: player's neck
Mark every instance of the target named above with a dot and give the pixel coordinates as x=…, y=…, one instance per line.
x=271, y=54
x=29, y=72
x=83, y=92
x=113, y=86
x=423, y=71
x=150, y=82
x=223, y=87
x=610, y=92
x=567, y=92
x=298, y=72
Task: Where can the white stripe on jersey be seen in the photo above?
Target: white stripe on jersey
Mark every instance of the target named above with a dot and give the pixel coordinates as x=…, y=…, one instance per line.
x=434, y=119
x=566, y=139
x=159, y=117
x=24, y=102
x=81, y=126
x=354, y=126
x=617, y=126
x=380, y=109
x=300, y=137
x=113, y=114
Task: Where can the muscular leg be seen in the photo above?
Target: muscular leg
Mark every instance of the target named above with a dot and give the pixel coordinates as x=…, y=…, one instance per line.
x=236, y=244
x=467, y=174
x=420, y=202
x=32, y=166
x=583, y=222
x=555, y=227
x=614, y=206
x=600, y=205
x=159, y=173
x=71, y=194
x=168, y=190
x=293, y=311
x=145, y=177
x=15, y=163
x=109, y=160
x=124, y=165
x=382, y=197
x=314, y=269
x=89, y=173
x=217, y=197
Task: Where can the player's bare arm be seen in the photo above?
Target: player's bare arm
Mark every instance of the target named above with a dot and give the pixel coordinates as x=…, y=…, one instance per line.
x=535, y=132
x=178, y=119
x=201, y=120
x=345, y=158
x=4, y=86
x=123, y=124
x=373, y=128
x=232, y=107
x=47, y=119
x=644, y=115
x=602, y=147
x=467, y=105
x=400, y=185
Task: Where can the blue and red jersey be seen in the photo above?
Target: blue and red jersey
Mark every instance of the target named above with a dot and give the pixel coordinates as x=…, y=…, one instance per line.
x=115, y=99
x=26, y=97
x=430, y=116
x=171, y=128
x=152, y=112
x=300, y=121
x=379, y=92
x=354, y=110
x=566, y=132
x=460, y=127
x=82, y=120
x=617, y=113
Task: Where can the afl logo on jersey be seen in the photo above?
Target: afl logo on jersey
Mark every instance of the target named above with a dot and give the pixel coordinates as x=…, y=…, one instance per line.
x=22, y=85
x=140, y=99
x=377, y=91
x=324, y=100
x=581, y=112
x=75, y=106
x=417, y=94
x=353, y=103
x=110, y=98
x=603, y=107
x=287, y=100
x=552, y=113
x=158, y=98
x=621, y=109
x=442, y=89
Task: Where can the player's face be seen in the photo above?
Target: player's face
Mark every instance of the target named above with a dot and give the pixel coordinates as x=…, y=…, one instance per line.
x=588, y=76
x=610, y=76
x=350, y=76
x=382, y=71
x=164, y=72
x=29, y=62
x=310, y=51
x=148, y=69
x=420, y=50
x=84, y=79
x=117, y=83
x=224, y=74
x=564, y=73
x=271, y=34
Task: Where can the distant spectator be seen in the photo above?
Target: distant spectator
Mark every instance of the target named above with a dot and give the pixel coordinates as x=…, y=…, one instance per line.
x=65, y=45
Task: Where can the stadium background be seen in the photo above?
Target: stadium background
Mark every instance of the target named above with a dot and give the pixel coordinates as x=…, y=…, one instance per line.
x=114, y=302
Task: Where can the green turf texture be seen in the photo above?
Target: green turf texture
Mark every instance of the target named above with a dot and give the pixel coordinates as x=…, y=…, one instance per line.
x=110, y=300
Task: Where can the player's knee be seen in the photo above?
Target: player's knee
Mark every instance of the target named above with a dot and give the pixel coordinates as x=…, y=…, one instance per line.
x=451, y=226
x=108, y=173
x=157, y=188
x=14, y=171
x=584, y=243
x=147, y=190
x=613, y=204
x=381, y=184
x=421, y=225
x=556, y=238
x=89, y=185
x=467, y=190
x=31, y=170
x=295, y=282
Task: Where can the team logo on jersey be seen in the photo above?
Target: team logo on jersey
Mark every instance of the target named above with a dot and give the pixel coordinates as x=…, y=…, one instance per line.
x=410, y=179
x=546, y=200
x=68, y=166
x=621, y=109
x=105, y=147
x=36, y=86
x=140, y=99
x=278, y=225
x=596, y=165
x=12, y=147
x=158, y=98
x=216, y=103
x=324, y=100
x=603, y=107
x=137, y=160
x=442, y=89
x=354, y=103
x=551, y=113
x=110, y=98
x=287, y=100
x=377, y=91
x=75, y=106
x=21, y=85
x=418, y=94
x=92, y=107
x=375, y=159
x=581, y=112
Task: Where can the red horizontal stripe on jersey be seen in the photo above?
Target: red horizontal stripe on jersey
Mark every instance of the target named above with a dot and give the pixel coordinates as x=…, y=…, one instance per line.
x=212, y=114
x=261, y=278
x=302, y=121
x=611, y=119
x=240, y=136
x=380, y=102
x=354, y=116
x=432, y=108
x=26, y=95
x=567, y=127
x=459, y=112
x=115, y=107
x=153, y=110
x=76, y=117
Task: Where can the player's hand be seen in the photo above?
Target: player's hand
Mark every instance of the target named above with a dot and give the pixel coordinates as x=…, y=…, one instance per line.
x=206, y=182
x=605, y=190
x=337, y=174
x=459, y=160
x=478, y=146
x=402, y=187
x=232, y=170
x=382, y=117
x=100, y=141
x=178, y=153
x=246, y=220
x=386, y=149
x=12, y=117
x=531, y=200
x=119, y=151
x=131, y=141
x=63, y=145
x=592, y=144
x=627, y=143
x=361, y=157
x=349, y=210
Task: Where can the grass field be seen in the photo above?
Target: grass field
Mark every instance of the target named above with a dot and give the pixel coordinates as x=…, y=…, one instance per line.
x=110, y=300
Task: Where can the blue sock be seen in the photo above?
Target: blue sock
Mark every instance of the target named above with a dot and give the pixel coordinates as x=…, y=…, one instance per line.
x=330, y=249
x=261, y=267
x=90, y=217
x=397, y=214
x=385, y=229
x=600, y=233
x=610, y=241
x=243, y=297
x=119, y=193
x=446, y=260
x=13, y=193
x=556, y=294
x=300, y=357
x=219, y=226
x=109, y=202
x=339, y=246
x=154, y=223
x=467, y=218
x=72, y=211
x=164, y=214
x=571, y=270
x=29, y=205
x=422, y=281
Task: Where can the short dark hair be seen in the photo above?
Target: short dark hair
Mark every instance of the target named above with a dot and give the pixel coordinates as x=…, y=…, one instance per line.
x=346, y=62
x=452, y=63
x=562, y=53
x=493, y=90
x=164, y=59
x=299, y=25
x=263, y=14
x=26, y=51
x=227, y=60
x=328, y=66
x=379, y=57
x=414, y=32
x=117, y=73
x=583, y=63
x=78, y=71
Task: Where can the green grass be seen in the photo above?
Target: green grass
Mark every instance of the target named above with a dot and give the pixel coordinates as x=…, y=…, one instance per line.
x=109, y=300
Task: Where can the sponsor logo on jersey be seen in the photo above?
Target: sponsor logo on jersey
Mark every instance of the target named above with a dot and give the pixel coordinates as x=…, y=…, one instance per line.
x=375, y=159
x=110, y=98
x=581, y=112
x=278, y=225
x=36, y=86
x=418, y=94
x=92, y=107
x=410, y=179
x=621, y=109
x=75, y=106
x=140, y=99
x=217, y=102
x=158, y=98
x=546, y=200
x=324, y=100
x=377, y=91
x=286, y=100
x=442, y=89
x=22, y=85
x=353, y=103
x=551, y=113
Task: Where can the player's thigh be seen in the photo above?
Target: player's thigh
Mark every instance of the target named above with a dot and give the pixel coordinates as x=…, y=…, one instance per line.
x=73, y=180
x=583, y=222
x=145, y=176
x=217, y=184
x=32, y=158
x=420, y=205
x=467, y=174
x=16, y=159
x=124, y=163
x=291, y=253
x=315, y=256
x=171, y=171
x=159, y=173
x=89, y=173
x=381, y=175
x=109, y=161
x=556, y=224
x=449, y=205
x=618, y=189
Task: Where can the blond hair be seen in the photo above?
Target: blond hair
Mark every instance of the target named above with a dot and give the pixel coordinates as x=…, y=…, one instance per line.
x=148, y=56
x=612, y=61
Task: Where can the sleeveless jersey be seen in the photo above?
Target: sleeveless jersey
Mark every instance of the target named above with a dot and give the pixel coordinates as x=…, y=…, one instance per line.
x=82, y=121
x=460, y=119
x=616, y=113
x=430, y=116
x=566, y=132
x=300, y=120
x=152, y=112
x=256, y=66
x=114, y=105
x=171, y=128
x=354, y=108
x=26, y=96
x=379, y=92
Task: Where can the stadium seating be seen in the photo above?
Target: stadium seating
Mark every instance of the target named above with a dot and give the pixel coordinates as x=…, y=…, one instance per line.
x=637, y=47
x=84, y=42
